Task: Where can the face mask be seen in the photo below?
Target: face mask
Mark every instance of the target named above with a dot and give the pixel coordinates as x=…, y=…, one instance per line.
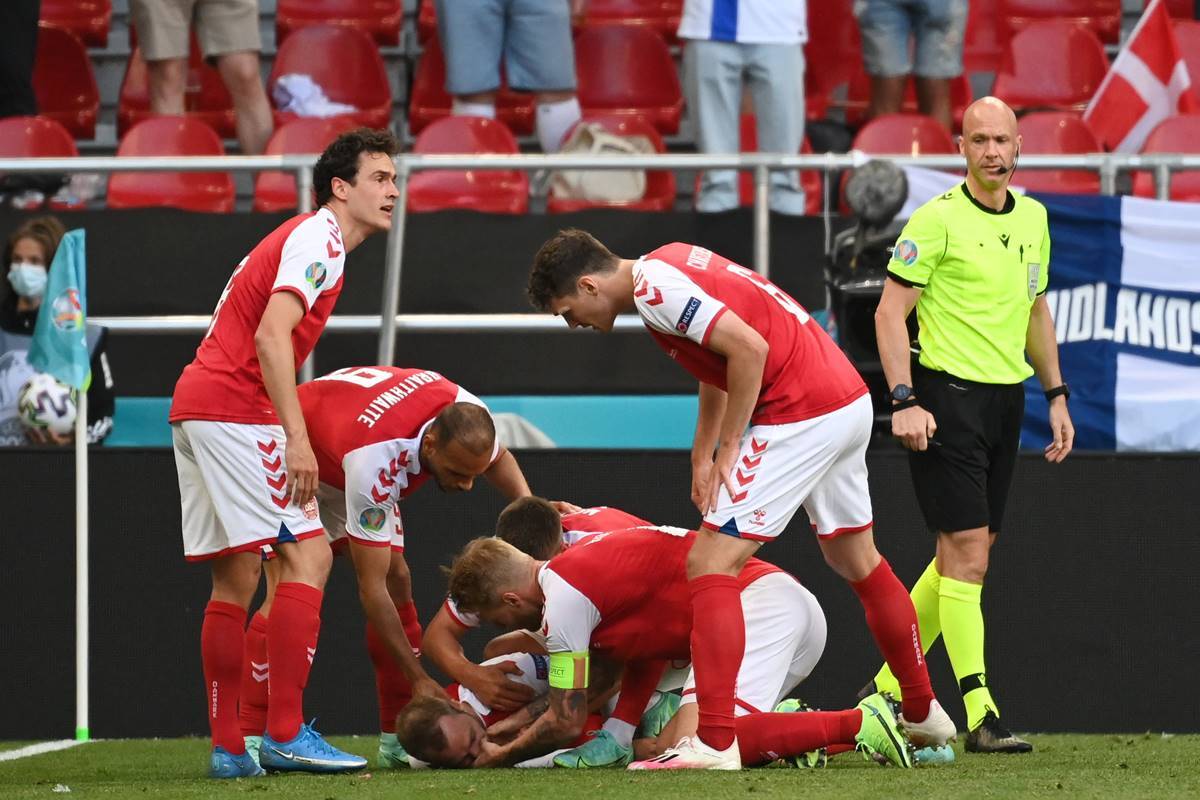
x=28, y=280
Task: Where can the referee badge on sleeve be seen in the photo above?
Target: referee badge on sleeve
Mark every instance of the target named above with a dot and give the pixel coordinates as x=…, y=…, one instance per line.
x=1035, y=271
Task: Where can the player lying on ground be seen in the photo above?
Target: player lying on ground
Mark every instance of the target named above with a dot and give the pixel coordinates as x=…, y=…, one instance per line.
x=379, y=433
x=535, y=527
x=784, y=421
x=625, y=595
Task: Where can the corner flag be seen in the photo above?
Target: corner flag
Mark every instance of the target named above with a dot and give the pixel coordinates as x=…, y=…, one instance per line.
x=59, y=344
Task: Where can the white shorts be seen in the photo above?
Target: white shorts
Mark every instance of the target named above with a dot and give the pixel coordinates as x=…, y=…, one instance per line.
x=785, y=637
x=332, y=503
x=233, y=489
x=818, y=463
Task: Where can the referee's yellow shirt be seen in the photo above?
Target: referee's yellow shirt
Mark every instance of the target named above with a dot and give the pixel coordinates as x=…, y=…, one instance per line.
x=980, y=271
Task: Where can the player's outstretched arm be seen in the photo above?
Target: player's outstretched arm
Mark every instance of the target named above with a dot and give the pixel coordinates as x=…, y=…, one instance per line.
x=745, y=352
x=277, y=359
x=371, y=568
x=505, y=474
x=1042, y=346
x=442, y=645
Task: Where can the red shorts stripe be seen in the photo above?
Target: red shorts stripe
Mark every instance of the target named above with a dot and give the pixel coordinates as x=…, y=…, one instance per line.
x=241, y=548
x=840, y=531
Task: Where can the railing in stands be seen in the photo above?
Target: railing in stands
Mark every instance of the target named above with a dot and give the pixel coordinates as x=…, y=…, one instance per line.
x=1108, y=165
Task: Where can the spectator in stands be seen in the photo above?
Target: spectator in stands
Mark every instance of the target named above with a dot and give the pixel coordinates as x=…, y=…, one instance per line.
x=534, y=38
x=28, y=254
x=932, y=31
x=18, y=46
x=229, y=38
x=756, y=45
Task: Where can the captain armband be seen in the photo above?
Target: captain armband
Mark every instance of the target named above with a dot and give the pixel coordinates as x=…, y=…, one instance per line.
x=569, y=670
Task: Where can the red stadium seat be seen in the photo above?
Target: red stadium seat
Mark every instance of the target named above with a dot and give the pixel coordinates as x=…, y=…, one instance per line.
x=1187, y=35
x=832, y=54
x=1051, y=132
x=629, y=72
x=87, y=19
x=345, y=63
x=276, y=191
x=1182, y=9
x=1179, y=134
x=379, y=19
x=986, y=35
x=64, y=83
x=810, y=180
x=205, y=97
x=35, y=137
x=899, y=134
x=858, y=98
x=426, y=21
x=1102, y=17
x=660, y=184
x=429, y=100
x=1051, y=64
x=492, y=191
x=171, y=136
x=660, y=16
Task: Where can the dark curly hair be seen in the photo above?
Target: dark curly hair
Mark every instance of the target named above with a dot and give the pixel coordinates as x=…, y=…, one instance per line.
x=561, y=261
x=340, y=159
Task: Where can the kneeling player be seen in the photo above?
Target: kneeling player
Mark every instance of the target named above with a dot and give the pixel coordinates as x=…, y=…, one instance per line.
x=625, y=595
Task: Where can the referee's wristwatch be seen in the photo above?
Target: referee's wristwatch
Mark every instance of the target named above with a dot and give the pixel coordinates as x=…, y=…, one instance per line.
x=1062, y=391
x=902, y=397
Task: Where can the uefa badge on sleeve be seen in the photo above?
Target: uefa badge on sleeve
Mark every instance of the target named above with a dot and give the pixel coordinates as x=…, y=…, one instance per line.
x=315, y=274
x=906, y=252
x=1035, y=272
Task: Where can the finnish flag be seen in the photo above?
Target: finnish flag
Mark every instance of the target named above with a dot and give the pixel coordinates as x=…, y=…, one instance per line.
x=1125, y=295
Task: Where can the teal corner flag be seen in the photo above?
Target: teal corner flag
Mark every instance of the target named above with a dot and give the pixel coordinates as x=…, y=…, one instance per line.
x=59, y=344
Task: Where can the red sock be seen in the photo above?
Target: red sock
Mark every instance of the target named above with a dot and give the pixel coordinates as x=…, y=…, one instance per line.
x=762, y=738
x=391, y=686
x=221, y=642
x=291, y=644
x=893, y=623
x=252, y=709
x=718, y=643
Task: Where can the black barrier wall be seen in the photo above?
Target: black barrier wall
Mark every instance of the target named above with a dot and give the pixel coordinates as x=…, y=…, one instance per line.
x=1090, y=599
x=164, y=261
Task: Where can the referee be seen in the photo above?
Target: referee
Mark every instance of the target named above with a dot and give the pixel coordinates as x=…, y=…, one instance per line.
x=974, y=264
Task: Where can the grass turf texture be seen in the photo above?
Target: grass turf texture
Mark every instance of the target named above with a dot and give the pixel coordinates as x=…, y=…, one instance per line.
x=1126, y=766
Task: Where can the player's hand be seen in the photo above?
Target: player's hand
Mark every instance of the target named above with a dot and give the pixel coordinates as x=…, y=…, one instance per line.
x=563, y=507
x=490, y=755
x=914, y=427
x=301, y=470
x=1062, y=431
x=428, y=687
x=492, y=686
x=701, y=472
x=721, y=474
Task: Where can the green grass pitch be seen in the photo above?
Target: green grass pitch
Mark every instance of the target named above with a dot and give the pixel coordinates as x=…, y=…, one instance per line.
x=1125, y=766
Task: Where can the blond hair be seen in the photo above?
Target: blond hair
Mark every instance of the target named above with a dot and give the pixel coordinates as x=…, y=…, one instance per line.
x=484, y=570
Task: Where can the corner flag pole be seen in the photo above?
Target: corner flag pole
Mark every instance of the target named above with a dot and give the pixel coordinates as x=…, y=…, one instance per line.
x=82, y=669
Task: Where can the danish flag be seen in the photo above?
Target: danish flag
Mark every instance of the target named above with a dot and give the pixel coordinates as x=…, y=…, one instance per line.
x=1147, y=83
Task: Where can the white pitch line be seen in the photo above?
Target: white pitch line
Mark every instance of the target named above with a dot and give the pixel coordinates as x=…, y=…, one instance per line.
x=38, y=749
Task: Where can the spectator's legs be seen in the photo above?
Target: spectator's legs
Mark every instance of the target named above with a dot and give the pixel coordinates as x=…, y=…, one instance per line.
x=168, y=79
x=471, y=33
x=887, y=94
x=933, y=98
x=712, y=73
x=557, y=113
x=241, y=76
x=482, y=104
x=886, y=29
x=18, y=46
x=775, y=77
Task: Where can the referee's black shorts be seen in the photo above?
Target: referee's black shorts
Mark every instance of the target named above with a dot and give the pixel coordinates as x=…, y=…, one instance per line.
x=962, y=479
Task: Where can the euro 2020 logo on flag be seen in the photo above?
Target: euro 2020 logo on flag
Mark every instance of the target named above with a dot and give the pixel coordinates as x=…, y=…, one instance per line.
x=68, y=311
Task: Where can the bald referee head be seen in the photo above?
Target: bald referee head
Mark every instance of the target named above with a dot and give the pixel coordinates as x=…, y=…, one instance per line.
x=991, y=145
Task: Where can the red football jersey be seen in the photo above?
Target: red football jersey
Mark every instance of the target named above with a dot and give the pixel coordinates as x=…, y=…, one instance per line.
x=224, y=382
x=681, y=290
x=626, y=594
x=576, y=526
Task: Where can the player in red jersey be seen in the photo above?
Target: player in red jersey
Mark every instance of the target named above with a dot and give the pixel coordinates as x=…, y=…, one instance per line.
x=784, y=421
x=535, y=527
x=247, y=473
x=624, y=595
x=379, y=433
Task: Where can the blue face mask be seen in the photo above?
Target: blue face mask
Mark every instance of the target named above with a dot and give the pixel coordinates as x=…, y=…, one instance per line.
x=28, y=280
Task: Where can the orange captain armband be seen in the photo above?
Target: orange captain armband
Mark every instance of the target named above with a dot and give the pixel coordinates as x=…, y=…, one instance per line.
x=569, y=670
